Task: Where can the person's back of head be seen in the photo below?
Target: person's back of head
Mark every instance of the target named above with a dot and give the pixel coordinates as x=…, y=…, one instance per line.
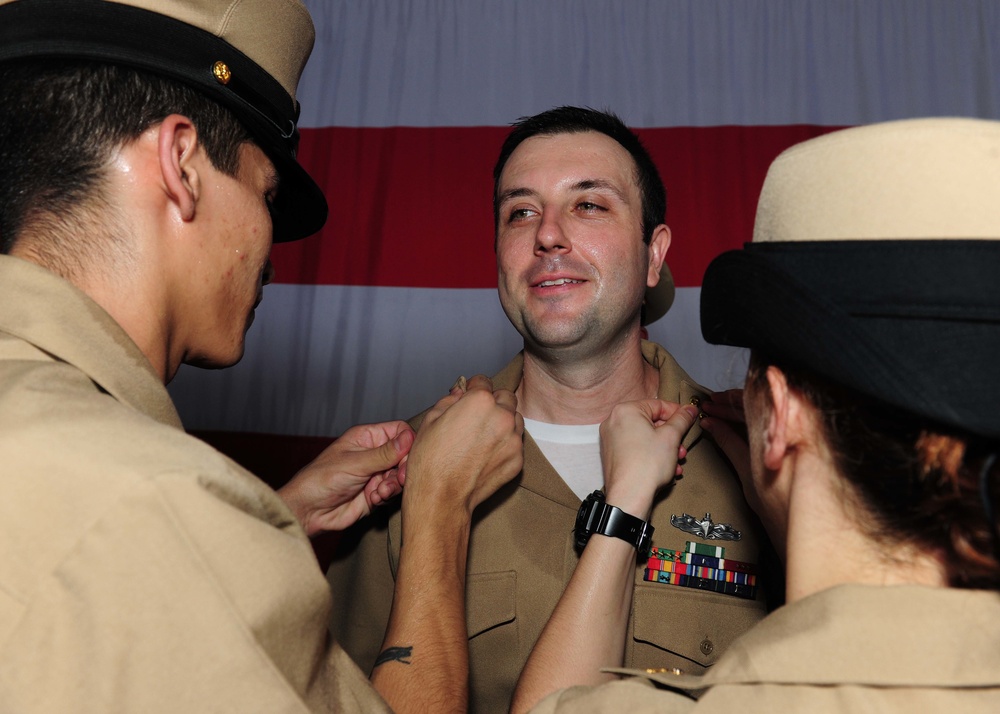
x=871, y=284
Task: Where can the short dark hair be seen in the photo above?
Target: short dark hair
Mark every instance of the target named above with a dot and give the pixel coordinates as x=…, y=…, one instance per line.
x=61, y=120
x=921, y=483
x=574, y=120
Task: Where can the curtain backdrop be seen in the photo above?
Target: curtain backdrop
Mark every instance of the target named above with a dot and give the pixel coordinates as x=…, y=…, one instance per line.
x=405, y=104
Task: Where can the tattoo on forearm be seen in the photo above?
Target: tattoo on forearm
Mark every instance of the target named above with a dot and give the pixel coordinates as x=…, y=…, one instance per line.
x=394, y=654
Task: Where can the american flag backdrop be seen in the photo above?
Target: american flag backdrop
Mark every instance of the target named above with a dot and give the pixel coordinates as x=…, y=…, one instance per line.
x=404, y=106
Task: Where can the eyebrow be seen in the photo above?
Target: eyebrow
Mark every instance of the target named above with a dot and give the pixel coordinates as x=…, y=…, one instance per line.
x=584, y=185
x=599, y=185
x=516, y=193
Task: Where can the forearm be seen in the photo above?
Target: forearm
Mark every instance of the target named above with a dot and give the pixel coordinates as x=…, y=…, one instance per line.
x=640, y=446
x=587, y=629
x=424, y=665
x=469, y=445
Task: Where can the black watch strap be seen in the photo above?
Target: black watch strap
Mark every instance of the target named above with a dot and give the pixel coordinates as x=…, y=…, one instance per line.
x=598, y=516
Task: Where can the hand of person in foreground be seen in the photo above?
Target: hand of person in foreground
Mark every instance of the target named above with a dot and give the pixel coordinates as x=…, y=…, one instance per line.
x=641, y=449
x=357, y=472
x=726, y=422
x=468, y=446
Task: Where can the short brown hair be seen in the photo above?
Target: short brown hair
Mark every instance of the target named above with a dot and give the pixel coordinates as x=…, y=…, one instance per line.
x=60, y=121
x=919, y=483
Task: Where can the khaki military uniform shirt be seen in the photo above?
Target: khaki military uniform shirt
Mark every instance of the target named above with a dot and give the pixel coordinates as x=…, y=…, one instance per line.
x=851, y=648
x=140, y=570
x=522, y=554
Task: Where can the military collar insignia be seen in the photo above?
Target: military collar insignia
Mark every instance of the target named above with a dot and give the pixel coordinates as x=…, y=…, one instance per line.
x=704, y=528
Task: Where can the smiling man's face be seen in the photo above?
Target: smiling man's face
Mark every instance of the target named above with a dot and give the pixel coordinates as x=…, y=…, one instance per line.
x=572, y=267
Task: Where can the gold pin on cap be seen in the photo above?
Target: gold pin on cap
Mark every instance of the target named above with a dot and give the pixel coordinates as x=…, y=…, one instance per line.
x=221, y=71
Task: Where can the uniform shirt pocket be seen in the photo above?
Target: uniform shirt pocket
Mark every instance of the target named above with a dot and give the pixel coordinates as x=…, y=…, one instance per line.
x=490, y=600
x=693, y=625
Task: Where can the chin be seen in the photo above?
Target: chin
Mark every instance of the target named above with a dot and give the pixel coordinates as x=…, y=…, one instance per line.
x=557, y=333
x=219, y=360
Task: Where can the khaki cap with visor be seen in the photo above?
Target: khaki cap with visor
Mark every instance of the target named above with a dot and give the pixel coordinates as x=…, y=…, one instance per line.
x=875, y=262
x=247, y=55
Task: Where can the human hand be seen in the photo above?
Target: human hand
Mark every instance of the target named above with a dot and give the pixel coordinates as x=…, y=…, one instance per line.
x=357, y=472
x=469, y=444
x=726, y=422
x=640, y=450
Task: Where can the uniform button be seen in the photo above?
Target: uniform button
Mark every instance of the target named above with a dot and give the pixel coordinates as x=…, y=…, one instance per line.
x=707, y=647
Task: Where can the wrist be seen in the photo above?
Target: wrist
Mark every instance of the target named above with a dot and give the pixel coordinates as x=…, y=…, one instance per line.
x=434, y=523
x=299, y=506
x=634, y=501
x=445, y=509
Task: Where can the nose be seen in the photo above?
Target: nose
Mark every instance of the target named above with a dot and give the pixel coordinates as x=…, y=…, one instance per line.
x=268, y=275
x=550, y=236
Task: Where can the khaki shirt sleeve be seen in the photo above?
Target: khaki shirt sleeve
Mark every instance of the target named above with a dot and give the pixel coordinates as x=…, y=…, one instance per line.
x=634, y=695
x=362, y=582
x=176, y=599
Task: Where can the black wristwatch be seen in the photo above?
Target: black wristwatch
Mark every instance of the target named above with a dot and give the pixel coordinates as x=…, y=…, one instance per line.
x=597, y=516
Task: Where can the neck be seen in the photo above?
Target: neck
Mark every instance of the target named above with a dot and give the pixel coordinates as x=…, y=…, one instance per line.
x=827, y=545
x=115, y=287
x=141, y=316
x=584, y=390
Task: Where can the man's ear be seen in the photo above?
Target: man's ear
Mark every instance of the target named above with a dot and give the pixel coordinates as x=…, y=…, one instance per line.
x=658, y=246
x=177, y=147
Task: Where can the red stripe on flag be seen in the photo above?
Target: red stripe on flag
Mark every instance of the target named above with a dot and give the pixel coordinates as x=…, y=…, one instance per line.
x=412, y=207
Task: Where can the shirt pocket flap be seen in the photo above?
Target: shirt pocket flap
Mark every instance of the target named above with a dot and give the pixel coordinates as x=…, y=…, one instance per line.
x=693, y=624
x=490, y=600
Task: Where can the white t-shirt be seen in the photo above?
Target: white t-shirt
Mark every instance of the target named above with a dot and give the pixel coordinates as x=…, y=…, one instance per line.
x=573, y=450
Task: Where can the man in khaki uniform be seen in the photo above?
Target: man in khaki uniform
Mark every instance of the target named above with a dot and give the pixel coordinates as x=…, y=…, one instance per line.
x=870, y=302
x=148, y=150
x=580, y=239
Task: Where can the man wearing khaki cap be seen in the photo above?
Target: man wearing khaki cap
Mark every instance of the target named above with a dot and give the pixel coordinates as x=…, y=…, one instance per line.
x=148, y=149
x=869, y=299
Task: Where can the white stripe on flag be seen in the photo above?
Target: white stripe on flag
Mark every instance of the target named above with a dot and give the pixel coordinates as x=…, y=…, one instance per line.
x=322, y=358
